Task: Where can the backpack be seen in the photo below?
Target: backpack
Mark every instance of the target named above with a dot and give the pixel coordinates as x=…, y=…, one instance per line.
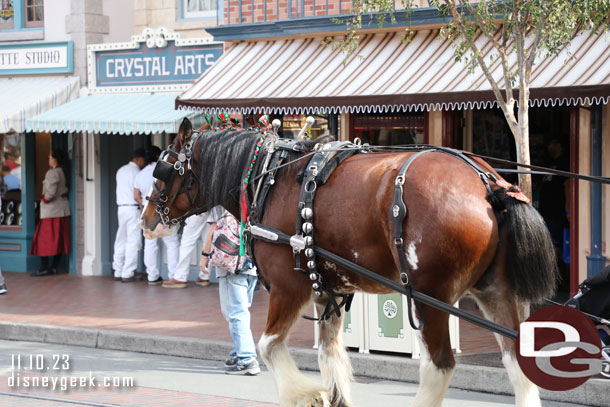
x=225, y=245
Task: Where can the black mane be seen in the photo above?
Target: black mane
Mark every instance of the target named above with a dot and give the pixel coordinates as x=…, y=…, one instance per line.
x=224, y=156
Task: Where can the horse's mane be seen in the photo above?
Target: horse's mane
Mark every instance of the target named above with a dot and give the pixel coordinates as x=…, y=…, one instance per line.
x=223, y=156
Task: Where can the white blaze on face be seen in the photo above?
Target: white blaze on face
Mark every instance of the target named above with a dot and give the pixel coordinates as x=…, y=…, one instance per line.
x=146, y=201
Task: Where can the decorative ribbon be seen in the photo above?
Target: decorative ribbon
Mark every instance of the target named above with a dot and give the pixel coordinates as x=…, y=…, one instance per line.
x=263, y=121
x=513, y=191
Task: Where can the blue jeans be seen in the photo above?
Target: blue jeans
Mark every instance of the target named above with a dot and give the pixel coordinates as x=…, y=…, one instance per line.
x=236, y=292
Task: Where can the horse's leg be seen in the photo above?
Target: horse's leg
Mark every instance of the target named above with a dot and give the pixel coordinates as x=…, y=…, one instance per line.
x=437, y=363
x=334, y=363
x=295, y=390
x=501, y=306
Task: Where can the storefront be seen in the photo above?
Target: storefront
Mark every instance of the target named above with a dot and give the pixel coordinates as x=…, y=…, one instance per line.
x=24, y=154
x=397, y=92
x=130, y=104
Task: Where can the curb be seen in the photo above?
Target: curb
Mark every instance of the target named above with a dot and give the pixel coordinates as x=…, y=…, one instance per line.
x=595, y=392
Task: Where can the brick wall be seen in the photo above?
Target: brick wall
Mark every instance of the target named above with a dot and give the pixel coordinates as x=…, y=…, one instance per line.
x=156, y=13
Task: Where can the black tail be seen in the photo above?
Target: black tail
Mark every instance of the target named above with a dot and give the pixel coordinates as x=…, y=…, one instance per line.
x=531, y=261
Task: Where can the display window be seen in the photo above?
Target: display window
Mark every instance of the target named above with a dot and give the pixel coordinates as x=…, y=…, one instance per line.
x=10, y=181
x=293, y=123
x=387, y=129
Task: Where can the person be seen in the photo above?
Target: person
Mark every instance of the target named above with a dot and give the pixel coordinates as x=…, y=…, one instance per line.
x=142, y=185
x=128, y=240
x=553, y=194
x=52, y=236
x=235, y=291
x=192, y=232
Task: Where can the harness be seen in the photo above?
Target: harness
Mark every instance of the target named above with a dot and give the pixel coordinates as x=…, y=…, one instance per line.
x=315, y=173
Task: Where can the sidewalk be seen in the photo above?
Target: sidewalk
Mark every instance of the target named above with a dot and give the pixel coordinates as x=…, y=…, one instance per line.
x=193, y=312
x=102, y=313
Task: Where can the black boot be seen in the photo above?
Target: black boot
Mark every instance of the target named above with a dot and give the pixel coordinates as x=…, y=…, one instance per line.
x=45, y=270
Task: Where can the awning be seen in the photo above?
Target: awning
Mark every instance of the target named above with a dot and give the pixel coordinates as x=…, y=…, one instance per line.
x=301, y=75
x=23, y=98
x=118, y=114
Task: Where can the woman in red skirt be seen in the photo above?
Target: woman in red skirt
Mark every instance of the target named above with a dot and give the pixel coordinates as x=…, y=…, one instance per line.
x=52, y=237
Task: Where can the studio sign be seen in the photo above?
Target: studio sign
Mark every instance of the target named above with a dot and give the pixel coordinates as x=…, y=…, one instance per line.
x=44, y=57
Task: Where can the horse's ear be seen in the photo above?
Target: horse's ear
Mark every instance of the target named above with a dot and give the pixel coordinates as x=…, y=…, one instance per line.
x=185, y=131
x=205, y=127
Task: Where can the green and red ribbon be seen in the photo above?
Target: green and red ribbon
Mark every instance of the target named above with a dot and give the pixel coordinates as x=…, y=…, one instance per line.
x=263, y=121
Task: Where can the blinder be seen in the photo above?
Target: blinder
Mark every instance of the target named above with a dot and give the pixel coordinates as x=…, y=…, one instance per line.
x=164, y=171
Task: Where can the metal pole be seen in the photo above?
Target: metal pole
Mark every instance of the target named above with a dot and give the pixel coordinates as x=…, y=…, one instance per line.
x=596, y=262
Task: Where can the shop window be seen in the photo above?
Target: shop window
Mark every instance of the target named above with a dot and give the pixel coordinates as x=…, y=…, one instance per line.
x=21, y=19
x=293, y=123
x=10, y=181
x=199, y=9
x=34, y=13
x=7, y=15
x=389, y=128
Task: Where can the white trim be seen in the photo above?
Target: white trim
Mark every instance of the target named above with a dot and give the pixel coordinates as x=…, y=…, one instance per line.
x=553, y=102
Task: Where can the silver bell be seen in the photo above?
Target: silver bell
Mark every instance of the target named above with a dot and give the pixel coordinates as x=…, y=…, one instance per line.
x=318, y=293
x=315, y=286
x=307, y=227
x=313, y=276
x=307, y=213
x=311, y=264
x=308, y=240
x=309, y=252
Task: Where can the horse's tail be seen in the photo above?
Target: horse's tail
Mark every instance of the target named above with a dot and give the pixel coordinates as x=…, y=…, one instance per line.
x=531, y=262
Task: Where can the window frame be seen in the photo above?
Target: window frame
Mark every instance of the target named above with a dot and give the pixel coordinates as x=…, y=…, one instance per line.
x=198, y=15
x=35, y=23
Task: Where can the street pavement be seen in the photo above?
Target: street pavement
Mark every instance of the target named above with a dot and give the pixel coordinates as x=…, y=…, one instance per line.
x=156, y=380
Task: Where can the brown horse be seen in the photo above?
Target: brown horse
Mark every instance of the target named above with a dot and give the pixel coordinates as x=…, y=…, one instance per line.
x=459, y=239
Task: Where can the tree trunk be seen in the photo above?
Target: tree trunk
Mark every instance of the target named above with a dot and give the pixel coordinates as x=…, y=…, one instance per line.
x=523, y=145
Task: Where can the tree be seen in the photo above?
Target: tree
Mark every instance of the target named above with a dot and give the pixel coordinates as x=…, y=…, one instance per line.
x=519, y=30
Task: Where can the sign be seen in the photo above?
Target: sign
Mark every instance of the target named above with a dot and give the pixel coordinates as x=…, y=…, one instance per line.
x=559, y=348
x=47, y=57
x=157, y=60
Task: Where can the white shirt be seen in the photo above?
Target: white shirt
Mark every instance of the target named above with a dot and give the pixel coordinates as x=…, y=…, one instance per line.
x=144, y=180
x=125, y=177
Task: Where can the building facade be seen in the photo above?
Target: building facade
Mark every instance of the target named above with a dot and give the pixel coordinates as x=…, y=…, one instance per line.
x=398, y=92
x=43, y=46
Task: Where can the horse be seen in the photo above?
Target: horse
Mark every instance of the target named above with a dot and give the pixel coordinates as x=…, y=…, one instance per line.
x=460, y=238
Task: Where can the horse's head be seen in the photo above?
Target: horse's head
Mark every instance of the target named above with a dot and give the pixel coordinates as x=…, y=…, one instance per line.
x=175, y=192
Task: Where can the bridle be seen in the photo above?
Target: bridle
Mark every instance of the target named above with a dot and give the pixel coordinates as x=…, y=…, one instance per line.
x=166, y=172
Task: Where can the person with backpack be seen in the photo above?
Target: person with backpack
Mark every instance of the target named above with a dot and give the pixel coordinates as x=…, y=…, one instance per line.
x=236, y=282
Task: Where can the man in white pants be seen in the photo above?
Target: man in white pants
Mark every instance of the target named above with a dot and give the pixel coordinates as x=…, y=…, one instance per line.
x=128, y=240
x=195, y=226
x=142, y=186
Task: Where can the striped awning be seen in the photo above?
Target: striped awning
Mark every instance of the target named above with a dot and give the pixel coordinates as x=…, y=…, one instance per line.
x=23, y=98
x=300, y=75
x=114, y=114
